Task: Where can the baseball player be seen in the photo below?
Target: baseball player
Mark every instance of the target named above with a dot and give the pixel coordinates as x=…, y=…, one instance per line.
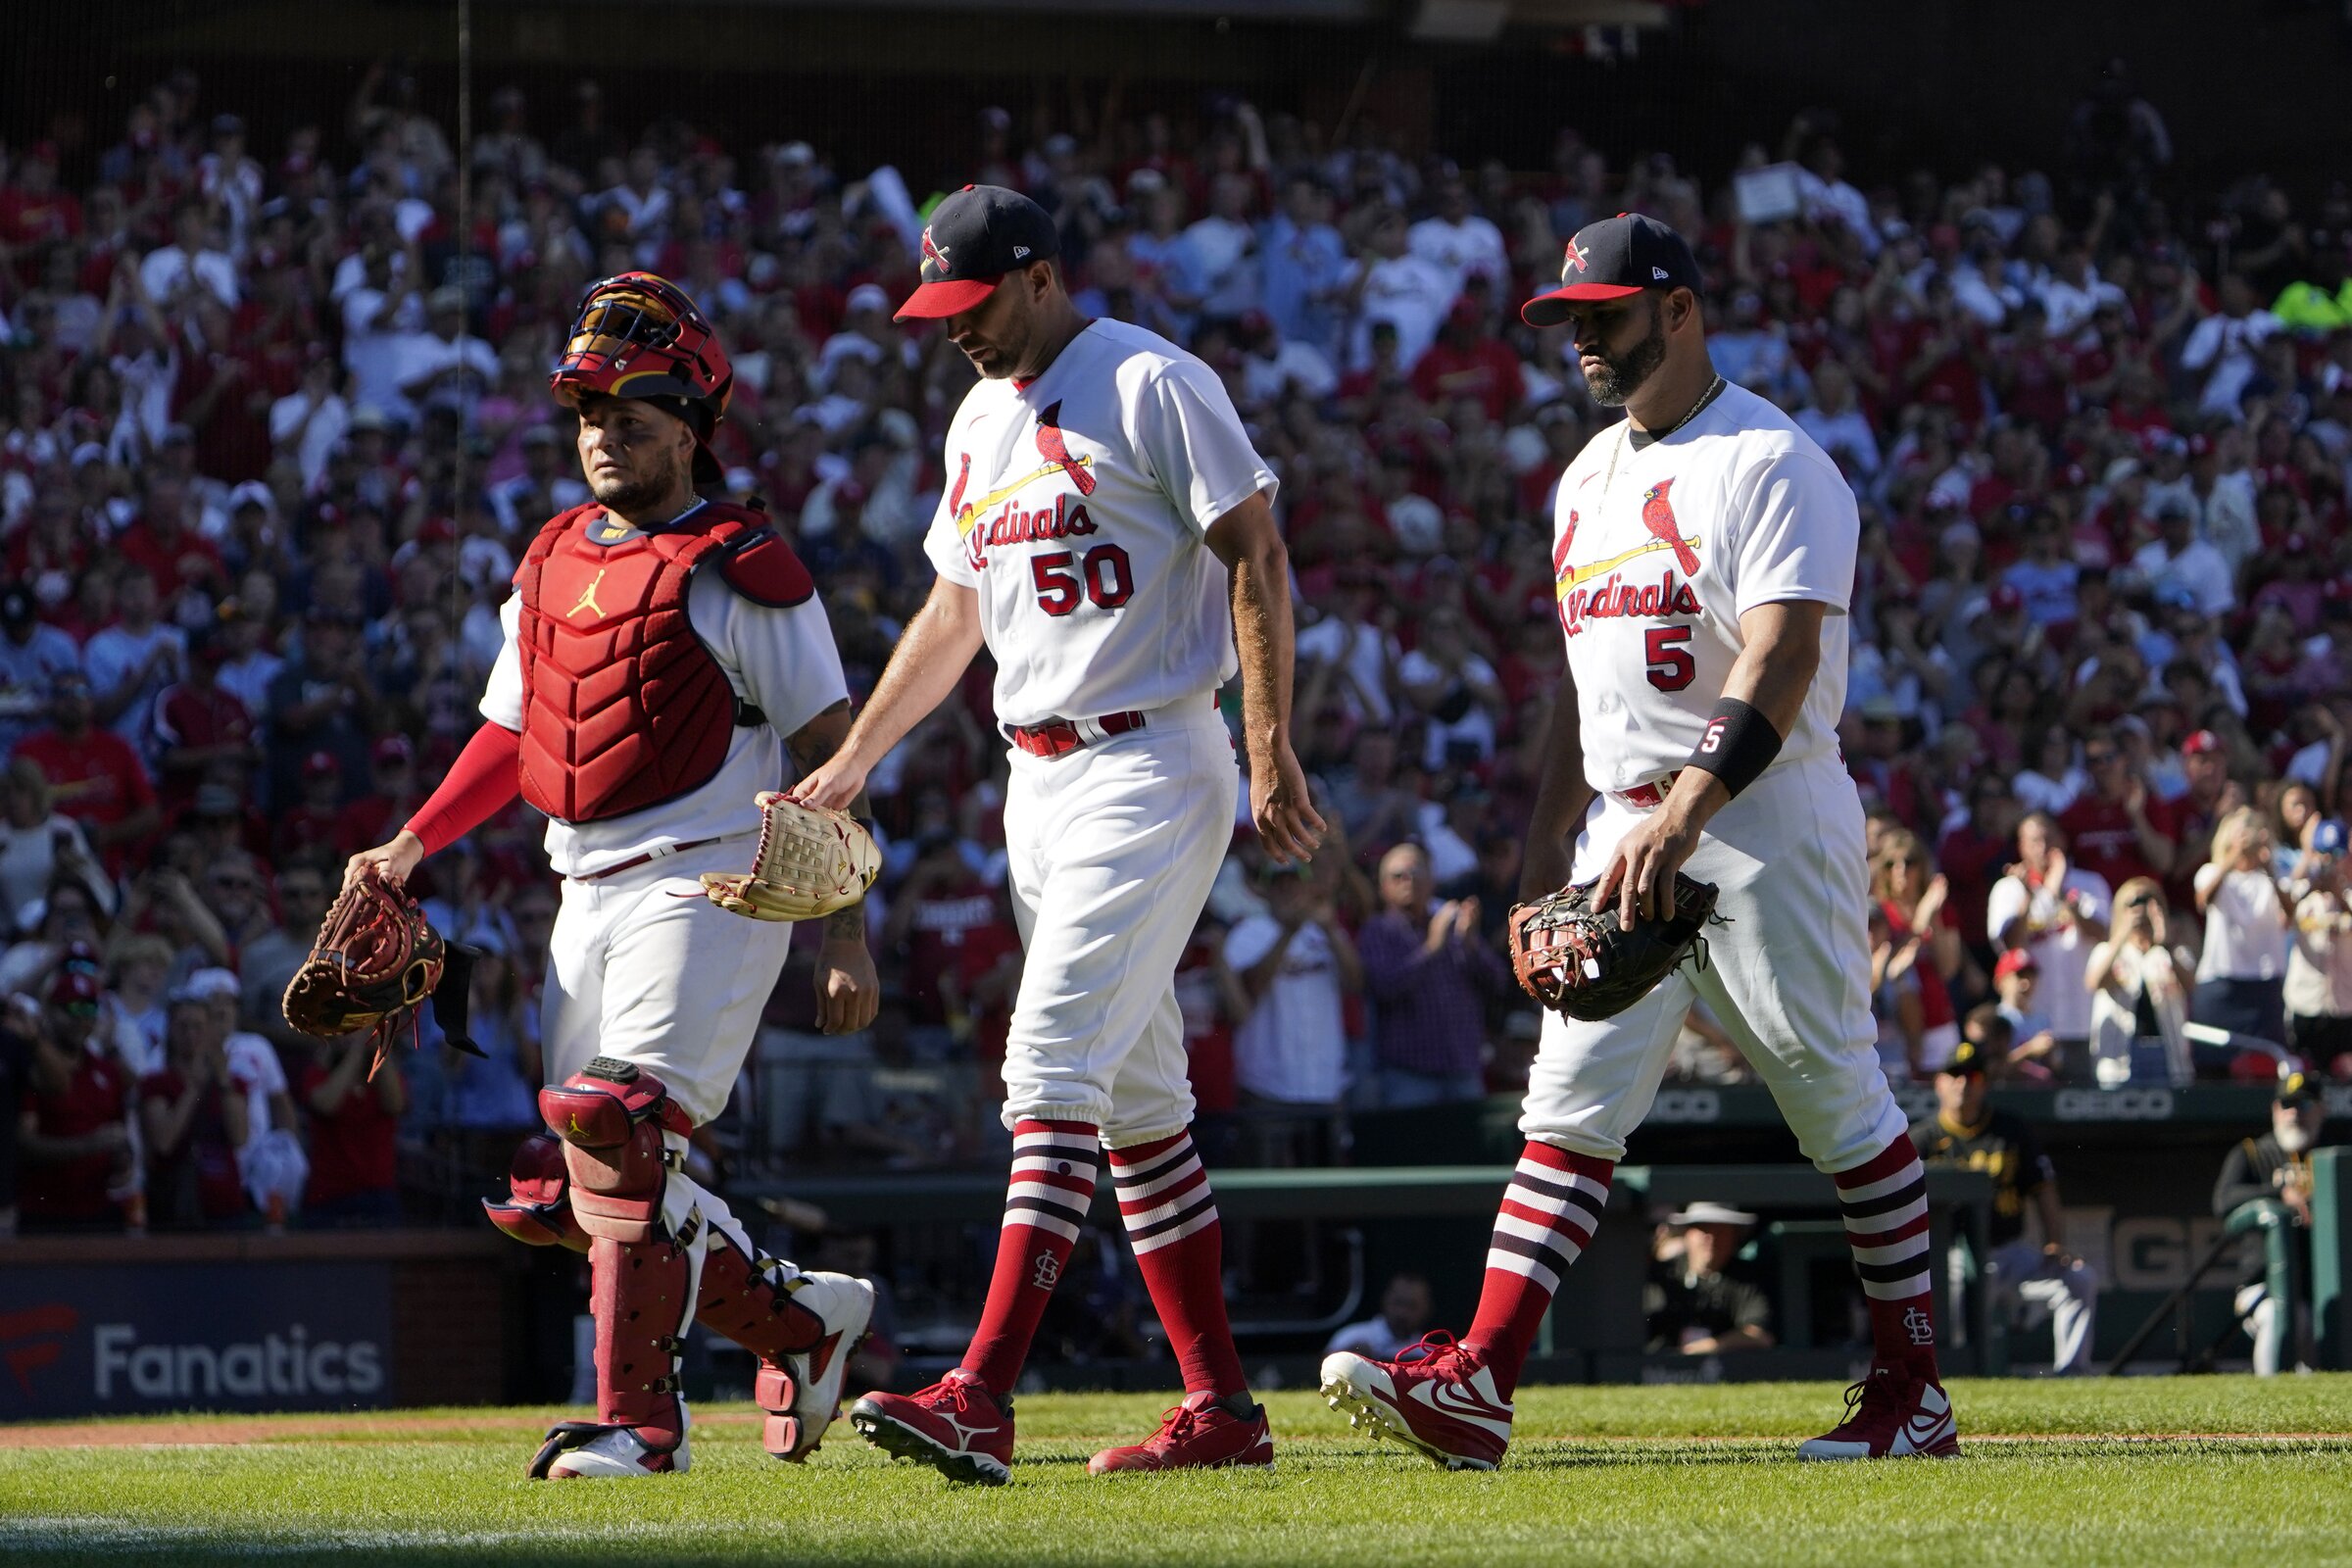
x=1105, y=531
x=1703, y=552
x=2046, y=1280
x=663, y=655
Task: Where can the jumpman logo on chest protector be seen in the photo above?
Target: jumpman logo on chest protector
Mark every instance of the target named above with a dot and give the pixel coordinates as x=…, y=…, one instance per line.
x=587, y=600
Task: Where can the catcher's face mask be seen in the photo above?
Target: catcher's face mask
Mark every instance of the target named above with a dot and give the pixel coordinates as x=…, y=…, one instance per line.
x=638, y=335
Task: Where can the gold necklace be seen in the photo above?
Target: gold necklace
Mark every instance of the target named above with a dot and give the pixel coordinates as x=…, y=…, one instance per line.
x=1626, y=439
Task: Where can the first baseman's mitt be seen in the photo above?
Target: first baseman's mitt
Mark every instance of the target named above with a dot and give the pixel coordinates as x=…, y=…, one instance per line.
x=1578, y=961
x=376, y=961
x=810, y=861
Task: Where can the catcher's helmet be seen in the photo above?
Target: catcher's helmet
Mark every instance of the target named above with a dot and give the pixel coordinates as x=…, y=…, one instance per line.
x=638, y=335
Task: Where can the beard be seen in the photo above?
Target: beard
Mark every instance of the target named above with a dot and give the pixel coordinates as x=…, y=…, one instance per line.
x=1621, y=375
x=633, y=494
x=2294, y=1140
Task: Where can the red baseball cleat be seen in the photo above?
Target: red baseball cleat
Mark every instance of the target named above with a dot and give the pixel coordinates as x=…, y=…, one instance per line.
x=1204, y=1433
x=955, y=1426
x=1890, y=1414
x=1436, y=1397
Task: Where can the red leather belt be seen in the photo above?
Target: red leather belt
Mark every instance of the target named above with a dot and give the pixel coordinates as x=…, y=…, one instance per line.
x=1650, y=795
x=1058, y=737
x=661, y=853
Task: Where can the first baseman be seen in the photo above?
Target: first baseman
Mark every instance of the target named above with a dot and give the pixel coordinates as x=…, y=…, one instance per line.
x=1107, y=530
x=663, y=655
x=1704, y=551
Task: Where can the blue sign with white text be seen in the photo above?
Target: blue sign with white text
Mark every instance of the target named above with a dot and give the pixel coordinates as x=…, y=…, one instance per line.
x=117, y=1340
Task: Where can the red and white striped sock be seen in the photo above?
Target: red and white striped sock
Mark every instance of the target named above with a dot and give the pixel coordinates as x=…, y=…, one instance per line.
x=1052, y=1185
x=1548, y=1213
x=1884, y=1199
x=1171, y=1218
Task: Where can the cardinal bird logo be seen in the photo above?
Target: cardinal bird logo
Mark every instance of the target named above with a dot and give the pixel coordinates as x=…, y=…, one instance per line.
x=1559, y=552
x=1574, y=259
x=1054, y=450
x=1658, y=515
x=935, y=255
x=963, y=476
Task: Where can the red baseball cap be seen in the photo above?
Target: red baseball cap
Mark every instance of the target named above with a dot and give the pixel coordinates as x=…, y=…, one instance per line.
x=974, y=239
x=2200, y=743
x=2017, y=960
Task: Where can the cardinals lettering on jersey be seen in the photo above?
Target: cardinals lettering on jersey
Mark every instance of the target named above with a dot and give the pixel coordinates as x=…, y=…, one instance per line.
x=1617, y=583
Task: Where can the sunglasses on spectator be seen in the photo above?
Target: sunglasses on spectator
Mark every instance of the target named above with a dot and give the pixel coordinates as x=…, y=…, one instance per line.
x=2099, y=758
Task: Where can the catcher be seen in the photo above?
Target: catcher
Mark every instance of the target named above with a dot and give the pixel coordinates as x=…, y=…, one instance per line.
x=1703, y=552
x=664, y=656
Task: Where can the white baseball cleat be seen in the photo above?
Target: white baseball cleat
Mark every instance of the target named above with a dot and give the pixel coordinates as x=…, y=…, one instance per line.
x=611, y=1452
x=844, y=1305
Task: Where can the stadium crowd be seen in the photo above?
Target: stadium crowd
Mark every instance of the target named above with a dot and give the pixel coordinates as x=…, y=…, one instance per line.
x=275, y=430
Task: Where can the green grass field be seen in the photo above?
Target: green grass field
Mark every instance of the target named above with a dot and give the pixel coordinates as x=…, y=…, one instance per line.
x=2176, y=1471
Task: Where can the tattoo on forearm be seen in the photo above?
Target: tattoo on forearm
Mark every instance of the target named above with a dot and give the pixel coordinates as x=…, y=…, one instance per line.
x=846, y=925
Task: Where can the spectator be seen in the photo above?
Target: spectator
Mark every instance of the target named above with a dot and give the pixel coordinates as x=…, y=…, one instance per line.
x=2044, y=1280
x=73, y=1139
x=1913, y=898
x=2241, y=965
x=2265, y=1187
x=94, y=776
x=1701, y=1299
x=1297, y=969
x=2057, y=913
x=266, y=964
x=131, y=661
x=2137, y=992
x=2318, y=991
x=37, y=843
x=201, y=732
x=354, y=1125
x=193, y=1122
x=2118, y=828
x=1404, y=1313
x=1429, y=974
x=270, y=1160
x=2017, y=983
x=32, y=655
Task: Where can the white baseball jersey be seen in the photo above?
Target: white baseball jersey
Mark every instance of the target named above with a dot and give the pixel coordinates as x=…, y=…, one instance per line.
x=1656, y=564
x=782, y=661
x=1078, y=504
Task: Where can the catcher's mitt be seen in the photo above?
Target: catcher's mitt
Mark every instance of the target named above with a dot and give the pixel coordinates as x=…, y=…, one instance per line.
x=1578, y=961
x=376, y=961
x=810, y=861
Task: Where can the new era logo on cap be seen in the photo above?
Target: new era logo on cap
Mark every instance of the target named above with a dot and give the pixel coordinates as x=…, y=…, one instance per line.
x=1611, y=258
x=976, y=236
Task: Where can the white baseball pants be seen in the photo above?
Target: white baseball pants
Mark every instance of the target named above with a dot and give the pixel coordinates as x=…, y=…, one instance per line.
x=1112, y=849
x=1787, y=974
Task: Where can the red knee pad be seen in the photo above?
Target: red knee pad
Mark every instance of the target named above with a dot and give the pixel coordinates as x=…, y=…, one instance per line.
x=610, y=1116
x=538, y=1212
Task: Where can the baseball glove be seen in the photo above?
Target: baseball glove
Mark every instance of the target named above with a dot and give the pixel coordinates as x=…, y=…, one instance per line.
x=810, y=861
x=1581, y=961
x=377, y=961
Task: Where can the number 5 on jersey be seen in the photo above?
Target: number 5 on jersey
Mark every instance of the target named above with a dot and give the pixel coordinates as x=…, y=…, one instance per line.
x=1671, y=666
x=1063, y=578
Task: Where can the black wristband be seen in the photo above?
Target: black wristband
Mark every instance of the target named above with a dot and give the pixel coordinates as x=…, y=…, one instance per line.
x=1740, y=744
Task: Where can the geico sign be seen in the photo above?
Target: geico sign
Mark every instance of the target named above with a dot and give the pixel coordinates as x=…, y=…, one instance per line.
x=272, y=1364
x=2113, y=1104
x=1687, y=1105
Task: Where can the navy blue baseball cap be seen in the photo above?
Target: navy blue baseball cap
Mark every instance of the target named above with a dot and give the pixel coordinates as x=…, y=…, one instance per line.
x=974, y=239
x=1613, y=257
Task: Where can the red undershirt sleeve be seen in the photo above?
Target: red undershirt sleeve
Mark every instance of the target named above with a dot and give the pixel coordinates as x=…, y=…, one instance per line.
x=481, y=781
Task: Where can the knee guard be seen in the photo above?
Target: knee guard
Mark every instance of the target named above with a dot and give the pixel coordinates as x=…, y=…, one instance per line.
x=610, y=1116
x=537, y=1212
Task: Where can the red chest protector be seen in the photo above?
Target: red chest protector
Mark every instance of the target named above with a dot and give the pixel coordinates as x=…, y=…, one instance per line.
x=624, y=707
